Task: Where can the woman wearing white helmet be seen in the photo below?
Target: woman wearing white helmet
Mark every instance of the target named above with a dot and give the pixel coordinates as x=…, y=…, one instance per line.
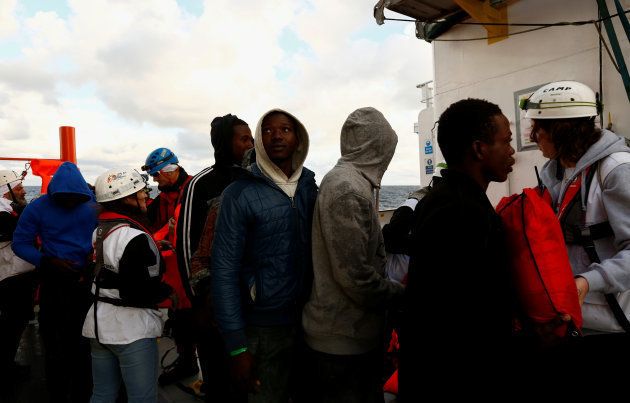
x=588, y=175
x=124, y=323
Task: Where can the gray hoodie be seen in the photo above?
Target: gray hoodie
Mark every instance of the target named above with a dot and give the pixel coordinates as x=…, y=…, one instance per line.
x=608, y=200
x=346, y=310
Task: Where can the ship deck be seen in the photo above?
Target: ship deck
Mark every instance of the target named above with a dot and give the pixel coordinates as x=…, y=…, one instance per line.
x=33, y=390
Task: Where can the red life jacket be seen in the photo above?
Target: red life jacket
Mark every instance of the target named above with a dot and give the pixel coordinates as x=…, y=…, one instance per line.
x=171, y=274
x=540, y=264
x=110, y=215
x=167, y=202
x=169, y=207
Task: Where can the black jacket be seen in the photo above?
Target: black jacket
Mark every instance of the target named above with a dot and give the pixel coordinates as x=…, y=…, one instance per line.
x=204, y=187
x=458, y=314
x=8, y=222
x=396, y=232
x=200, y=190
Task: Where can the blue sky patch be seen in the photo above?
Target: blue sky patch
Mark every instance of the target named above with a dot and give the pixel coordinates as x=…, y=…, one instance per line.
x=291, y=43
x=10, y=50
x=194, y=7
x=28, y=8
x=378, y=33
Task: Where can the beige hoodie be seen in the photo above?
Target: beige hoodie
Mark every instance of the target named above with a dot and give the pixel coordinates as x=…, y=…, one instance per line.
x=271, y=170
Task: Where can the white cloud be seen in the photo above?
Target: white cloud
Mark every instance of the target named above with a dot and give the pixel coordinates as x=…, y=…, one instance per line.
x=8, y=22
x=134, y=76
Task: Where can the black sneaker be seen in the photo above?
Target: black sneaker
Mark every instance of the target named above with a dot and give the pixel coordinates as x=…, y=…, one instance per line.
x=176, y=371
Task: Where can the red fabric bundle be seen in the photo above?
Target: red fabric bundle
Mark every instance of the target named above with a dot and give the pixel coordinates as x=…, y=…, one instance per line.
x=540, y=263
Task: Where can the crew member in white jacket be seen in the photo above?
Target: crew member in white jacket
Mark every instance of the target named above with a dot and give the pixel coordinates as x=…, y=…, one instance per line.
x=588, y=176
x=123, y=323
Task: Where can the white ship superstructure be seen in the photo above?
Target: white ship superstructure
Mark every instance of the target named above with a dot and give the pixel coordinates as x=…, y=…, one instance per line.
x=512, y=63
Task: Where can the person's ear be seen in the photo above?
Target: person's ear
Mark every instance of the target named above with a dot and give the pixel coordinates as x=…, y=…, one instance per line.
x=478, y=148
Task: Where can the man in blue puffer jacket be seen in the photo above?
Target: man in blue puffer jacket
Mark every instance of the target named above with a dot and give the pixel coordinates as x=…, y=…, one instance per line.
x=261, y=258
x=63, y=220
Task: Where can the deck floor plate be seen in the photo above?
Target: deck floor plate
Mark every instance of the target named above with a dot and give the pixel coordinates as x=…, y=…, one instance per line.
x=34, y=390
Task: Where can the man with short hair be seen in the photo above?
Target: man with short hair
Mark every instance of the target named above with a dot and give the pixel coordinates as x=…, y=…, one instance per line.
x=63, y=220
x=344, y=319
x=163, y=166
x=457, y=324
x=17, y=280
x=231, y=137
x=261, y=265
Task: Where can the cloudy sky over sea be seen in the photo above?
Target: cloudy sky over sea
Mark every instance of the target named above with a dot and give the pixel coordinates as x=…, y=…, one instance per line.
x=135, y=75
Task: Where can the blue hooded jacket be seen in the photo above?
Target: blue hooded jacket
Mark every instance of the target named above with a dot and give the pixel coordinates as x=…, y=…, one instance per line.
x=261, y=266
x=64, y=233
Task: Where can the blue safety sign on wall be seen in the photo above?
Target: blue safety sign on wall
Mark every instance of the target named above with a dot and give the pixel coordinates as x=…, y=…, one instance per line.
x=428, y=148
x=428, y=166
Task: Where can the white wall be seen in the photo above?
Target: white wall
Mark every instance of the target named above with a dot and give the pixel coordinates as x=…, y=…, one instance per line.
x=494, y=72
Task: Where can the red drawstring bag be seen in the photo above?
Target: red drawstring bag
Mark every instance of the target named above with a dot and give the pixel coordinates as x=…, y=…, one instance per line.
x=540, y=264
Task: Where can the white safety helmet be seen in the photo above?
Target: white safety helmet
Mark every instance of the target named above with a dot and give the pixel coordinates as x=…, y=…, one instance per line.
x=118, y=183
x=8, y=178
x=561, y=100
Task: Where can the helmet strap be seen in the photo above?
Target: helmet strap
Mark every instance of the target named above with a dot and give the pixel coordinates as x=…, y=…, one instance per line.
x=12, y=194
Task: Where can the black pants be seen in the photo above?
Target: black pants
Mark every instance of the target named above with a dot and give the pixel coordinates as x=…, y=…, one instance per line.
x=63, y=307
x=198, y=327
x=16, y=309
x=184, y=335
x=600, y=356
x=345, y=378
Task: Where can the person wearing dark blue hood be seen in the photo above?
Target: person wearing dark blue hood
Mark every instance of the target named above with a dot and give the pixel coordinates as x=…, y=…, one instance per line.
x=63, y=220
x=231, y=137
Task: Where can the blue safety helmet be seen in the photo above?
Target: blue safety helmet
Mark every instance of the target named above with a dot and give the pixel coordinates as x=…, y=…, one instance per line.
x=158, y=159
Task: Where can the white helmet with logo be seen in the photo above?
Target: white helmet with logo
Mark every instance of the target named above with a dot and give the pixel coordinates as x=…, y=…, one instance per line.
x=118, y=183
x=561, y=100
x=8, y=178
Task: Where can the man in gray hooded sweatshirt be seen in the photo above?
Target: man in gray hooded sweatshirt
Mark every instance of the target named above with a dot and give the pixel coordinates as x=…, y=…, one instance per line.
x=344, y=317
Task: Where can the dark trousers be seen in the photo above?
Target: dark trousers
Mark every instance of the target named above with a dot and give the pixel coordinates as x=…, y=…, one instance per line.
x=599, y=356
x=215, y=363
x=197, y=326
x=213, y=359
x=63, y=307
x=16, y=309
x=184, y=337
x=273, y=349
x=345, y=378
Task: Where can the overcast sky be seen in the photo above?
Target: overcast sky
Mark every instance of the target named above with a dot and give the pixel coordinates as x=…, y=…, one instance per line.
x=132, y=76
